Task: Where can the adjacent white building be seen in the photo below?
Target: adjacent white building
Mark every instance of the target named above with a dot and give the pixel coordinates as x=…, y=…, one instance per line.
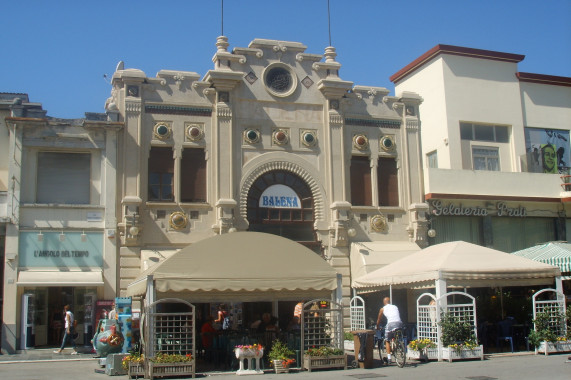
x=496, y=147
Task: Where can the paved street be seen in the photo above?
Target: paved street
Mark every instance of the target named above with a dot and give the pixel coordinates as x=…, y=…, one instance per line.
x=526, y=366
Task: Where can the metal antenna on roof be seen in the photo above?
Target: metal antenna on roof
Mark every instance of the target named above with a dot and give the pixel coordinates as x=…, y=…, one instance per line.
x=329, y=22
x=222, y=18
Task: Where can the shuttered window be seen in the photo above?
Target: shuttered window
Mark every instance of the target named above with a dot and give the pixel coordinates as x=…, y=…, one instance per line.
x=193, y=176
x=63, y=178
x=451, y=228
x=512, y=234
x=387, y=177
x=361, y=181
x=161, y=172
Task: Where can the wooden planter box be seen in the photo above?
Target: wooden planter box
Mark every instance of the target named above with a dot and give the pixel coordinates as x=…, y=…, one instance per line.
x=171, y=369
x=426, y=354
x=451, y=354
x=319, y=362
x=136, y=370
x=553, y=347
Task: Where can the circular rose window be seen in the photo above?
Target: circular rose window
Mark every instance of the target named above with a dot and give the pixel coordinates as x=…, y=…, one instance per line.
x=279, y=80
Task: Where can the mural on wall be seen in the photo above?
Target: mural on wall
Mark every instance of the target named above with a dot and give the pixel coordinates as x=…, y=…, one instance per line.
x=547, y=150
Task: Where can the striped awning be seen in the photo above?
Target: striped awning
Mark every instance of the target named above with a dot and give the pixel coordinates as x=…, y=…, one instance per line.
x=553, y=253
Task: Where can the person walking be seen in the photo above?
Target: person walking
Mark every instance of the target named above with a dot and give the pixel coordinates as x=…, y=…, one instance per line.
x=69, y=331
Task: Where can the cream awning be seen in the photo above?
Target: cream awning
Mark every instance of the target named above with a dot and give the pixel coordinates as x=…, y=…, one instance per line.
x=460, y=264
x=60, y=278
x=367, y=257
x=240, y=263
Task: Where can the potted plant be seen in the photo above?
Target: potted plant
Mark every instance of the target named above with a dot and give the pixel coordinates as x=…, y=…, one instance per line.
x=545, y=336
x=167, y=365
x=281, y=356
x=134, y=363
x=458, y=338
x=324, y=357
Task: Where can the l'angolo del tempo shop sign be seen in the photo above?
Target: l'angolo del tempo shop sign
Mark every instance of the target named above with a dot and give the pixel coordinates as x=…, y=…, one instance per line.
x=72, y=250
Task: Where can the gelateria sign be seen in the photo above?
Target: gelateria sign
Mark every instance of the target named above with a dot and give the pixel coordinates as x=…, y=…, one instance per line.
x=500, y=209
x=51, y=249
x=279, y=196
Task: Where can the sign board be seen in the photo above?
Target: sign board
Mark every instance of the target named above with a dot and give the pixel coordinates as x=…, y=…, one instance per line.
x=279, y=196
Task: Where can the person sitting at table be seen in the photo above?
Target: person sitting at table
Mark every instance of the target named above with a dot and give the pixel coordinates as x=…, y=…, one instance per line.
x=268, y=323
x=207, y=331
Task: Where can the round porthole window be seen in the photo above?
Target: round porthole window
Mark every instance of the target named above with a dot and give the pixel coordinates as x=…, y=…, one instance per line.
x=280, y=137
x=308, y=138
x=280, y=80
x=387, y=143
x=361, y=142
x=194, y=133
x=251, y=136
x=162, y=131
x=178, y=220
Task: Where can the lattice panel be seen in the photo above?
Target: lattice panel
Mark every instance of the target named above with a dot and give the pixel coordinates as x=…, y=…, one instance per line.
x=427, y=322
x=554, y=307
x=357, y=310
x=322, y=324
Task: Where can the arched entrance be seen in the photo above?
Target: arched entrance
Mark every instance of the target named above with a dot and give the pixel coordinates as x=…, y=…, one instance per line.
x=279, y=202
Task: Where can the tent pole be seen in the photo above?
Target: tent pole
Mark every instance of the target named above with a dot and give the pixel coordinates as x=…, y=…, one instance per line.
x=502, y=302
x=391, y=292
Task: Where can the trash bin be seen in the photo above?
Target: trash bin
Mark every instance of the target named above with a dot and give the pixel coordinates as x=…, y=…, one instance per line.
x=365, y=339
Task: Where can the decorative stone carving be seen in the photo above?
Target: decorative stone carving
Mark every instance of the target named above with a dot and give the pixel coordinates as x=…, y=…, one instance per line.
x=379, y=223
x=178, y=220
x=361, y=142
x=280, y=136
x=162, y=131
x=195, y=132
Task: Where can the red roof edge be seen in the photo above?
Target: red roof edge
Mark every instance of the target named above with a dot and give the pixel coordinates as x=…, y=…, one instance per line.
x=454, y=50
x=544, y=79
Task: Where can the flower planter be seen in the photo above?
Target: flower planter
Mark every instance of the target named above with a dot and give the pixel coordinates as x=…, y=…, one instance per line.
x=136, y=370
x=171, y=369
x=425, y=355
x=553, y=347
x=279, y=367
x=320, y=362
x=252, y=357
x=451, y=354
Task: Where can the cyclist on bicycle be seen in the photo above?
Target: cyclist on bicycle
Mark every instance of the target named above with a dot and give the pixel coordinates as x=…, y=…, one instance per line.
x=391, y=312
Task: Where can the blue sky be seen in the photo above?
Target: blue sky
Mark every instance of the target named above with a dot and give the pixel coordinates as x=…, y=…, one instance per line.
x=59, y=51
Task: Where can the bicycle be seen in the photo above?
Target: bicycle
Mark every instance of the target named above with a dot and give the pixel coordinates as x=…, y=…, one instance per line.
x=398, y=347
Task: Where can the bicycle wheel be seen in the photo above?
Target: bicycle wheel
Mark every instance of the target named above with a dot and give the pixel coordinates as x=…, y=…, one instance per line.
x=399, y=350
x=380, y=348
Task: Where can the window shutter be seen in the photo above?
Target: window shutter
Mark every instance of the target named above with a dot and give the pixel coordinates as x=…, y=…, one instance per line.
x=63, y=178
x=193, y=176
x=387, y=176
x=361, y=181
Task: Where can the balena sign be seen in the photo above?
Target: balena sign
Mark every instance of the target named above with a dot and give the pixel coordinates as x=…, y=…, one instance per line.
x=501, y=209
x=279, y=196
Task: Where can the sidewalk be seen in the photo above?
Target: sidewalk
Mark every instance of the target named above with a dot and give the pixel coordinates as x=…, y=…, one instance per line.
x=43, y=354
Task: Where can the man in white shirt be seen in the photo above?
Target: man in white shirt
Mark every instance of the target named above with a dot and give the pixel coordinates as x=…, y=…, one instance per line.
x=391, y=312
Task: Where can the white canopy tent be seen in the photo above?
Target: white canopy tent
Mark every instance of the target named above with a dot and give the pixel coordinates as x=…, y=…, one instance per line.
x=458, y=264
x=240, y=266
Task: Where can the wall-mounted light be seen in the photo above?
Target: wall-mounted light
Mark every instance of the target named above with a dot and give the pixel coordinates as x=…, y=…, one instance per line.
x=62, y=237
x=352, y=232
x=232, y=230
x=40, y=237
x=431, y=233
x=134, y=231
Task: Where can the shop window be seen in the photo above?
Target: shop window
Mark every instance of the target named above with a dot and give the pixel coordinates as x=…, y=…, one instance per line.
x=486, y=158
x=361, y=181
x=388, y=182
x=193, y=176
x=513, y=234
x=161, y=172
x=63, y=178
